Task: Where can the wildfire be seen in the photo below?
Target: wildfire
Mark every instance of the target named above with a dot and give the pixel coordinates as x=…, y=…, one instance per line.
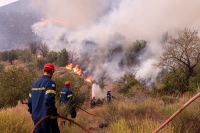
x=88, y=79
x=77, y=70
x=56, y=21
x=69, y=66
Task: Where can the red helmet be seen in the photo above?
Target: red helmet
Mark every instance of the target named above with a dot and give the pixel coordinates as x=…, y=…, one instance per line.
x=108, y=90
x=67, y=83
x=48, y=66
x=93, y=96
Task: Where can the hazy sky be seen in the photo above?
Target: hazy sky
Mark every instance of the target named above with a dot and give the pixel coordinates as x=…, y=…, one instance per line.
x=6, y=2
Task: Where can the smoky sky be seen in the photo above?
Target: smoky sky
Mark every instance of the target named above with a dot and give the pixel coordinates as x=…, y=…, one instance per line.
x=100, y=20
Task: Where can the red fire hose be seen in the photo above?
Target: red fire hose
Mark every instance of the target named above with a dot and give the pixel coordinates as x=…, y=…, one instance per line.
x=60, y=117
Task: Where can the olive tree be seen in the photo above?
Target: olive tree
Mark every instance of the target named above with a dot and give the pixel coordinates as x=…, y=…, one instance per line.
x=181, y=52
x=15, y=84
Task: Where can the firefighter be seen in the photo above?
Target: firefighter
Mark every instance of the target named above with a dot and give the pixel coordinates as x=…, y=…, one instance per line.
x=109, y=96
x=93, y=102
x=41, y=102
x=66, y=100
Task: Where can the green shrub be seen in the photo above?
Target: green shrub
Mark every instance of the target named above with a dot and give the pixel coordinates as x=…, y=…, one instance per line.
x=76, y=83
x=1, y=67
x=39, y=63
x=174, y=82
x=127, y=82
x=15, y=84
x=63, y=58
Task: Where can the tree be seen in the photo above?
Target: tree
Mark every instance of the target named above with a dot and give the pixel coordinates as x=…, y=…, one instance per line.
x=72, y=55
x=43, y=48
x=52, y=56
x=132, y=52
x=39, y=63
x=4, y=56
x=63, y=58
x=12, y=56
x=33, y=47
x=181, y=52
x=1, y=67
x=15, y=85
x=25, y=56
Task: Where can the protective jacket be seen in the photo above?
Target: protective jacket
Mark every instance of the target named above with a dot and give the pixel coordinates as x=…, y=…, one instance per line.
x=42, y=97
x=66, y=96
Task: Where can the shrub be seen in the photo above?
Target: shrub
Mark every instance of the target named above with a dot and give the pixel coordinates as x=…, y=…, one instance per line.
x=1, y=67
x=39, y=63
x=15, y=84
x=174, y=82
x=128, y=82
x=76, y=83
x=62, y=58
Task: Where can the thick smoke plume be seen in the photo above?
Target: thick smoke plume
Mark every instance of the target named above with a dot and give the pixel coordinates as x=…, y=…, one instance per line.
x=100, y=31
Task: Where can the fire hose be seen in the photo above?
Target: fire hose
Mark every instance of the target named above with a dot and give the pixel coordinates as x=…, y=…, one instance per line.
x=60, y=117
x=66, y=119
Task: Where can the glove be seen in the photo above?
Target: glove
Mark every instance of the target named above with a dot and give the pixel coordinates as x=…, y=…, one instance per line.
x=53, y=113
x=30, y=111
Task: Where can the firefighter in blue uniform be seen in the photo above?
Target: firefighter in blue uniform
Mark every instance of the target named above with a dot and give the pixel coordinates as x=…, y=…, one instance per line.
x=66, y=100
x=109, y=96
x=41, y=102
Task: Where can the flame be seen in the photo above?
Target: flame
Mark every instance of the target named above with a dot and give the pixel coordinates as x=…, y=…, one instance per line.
x=56, y=21
x=45, y=21
x=77, y=70
x=88, y=79
x=69, y=66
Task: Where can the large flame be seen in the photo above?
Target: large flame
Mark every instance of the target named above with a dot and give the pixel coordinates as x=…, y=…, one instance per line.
x=77, y=70
x=88, y=79
x=69, y=66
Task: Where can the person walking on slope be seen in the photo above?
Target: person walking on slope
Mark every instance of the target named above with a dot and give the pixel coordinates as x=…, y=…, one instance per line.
x=66, y=100
x=41, y=102
x=109, y=96
x=93, y=102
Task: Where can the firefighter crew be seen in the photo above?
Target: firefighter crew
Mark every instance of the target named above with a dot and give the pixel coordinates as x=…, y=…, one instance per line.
x=66, y=100
x=109, y=96
x=41, y=102
x=93, y=102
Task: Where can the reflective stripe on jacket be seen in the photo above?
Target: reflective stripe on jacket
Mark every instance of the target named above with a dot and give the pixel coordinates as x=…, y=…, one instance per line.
x=42, y=97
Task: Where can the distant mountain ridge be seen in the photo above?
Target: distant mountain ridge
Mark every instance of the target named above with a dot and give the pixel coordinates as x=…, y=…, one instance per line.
x=16, y=20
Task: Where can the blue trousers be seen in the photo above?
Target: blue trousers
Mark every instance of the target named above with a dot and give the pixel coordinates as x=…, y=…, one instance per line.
x=47, y=126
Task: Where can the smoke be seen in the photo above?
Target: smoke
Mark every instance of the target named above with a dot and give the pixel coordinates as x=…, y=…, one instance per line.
x=98, y=92
x=94, y=29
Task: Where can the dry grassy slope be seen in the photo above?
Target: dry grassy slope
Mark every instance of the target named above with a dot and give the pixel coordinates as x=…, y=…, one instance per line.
x=92, y=123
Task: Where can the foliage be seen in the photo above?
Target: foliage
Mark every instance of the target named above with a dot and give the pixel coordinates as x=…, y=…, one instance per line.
x=131, y=53
x=15, y=85
x=12, y=56
x=195, y=81
x=39, y=63
x=174, y=82
x=1, y=67
x=4, y=56
x=52, y=57
x=43, y=48
x=76, y=83
x=62, y=58
x=33, y=47
x=127, y=82
x=181, y=52
x=25, y=56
